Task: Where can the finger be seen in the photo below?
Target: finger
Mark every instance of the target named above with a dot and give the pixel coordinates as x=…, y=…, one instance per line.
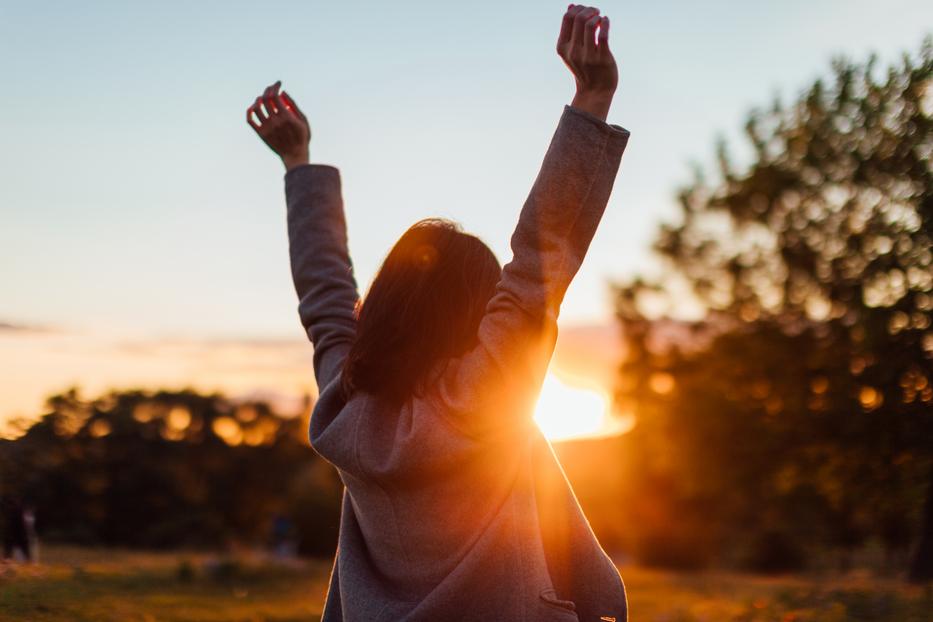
x=293, y=106
x=604, y=35
x=579, y=22
x=566, y=25
x=259, y=112
x=257, y=116
x=289, y=104
x=251, y=119
x=281, y=107
x=274, y=93
x=575, y=9
x=589, y=33
x=268, y=96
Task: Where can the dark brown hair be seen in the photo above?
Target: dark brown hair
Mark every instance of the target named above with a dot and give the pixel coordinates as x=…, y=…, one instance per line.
x=424, y=306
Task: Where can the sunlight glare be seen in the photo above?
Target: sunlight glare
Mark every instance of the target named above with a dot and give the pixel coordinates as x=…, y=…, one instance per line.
x=564, y=411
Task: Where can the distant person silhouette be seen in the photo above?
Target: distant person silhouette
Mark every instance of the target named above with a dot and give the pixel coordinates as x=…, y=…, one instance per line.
x=15, y=529
x=454, y=507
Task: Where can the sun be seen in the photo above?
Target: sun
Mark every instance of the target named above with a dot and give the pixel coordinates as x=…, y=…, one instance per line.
x=564, y=411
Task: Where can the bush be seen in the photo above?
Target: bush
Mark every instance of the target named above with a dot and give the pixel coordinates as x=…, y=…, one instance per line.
x=775, y=551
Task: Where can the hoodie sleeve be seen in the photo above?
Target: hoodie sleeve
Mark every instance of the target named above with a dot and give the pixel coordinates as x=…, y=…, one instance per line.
x=320, y=264
x=494, y=385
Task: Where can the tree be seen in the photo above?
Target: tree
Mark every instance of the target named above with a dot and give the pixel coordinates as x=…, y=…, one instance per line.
x=170, y=468
x=814, y=270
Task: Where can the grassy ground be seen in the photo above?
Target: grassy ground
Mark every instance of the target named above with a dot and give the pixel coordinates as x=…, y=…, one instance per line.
x=82, y=584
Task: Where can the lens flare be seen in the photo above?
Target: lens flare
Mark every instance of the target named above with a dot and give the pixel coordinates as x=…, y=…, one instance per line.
x=565, y=412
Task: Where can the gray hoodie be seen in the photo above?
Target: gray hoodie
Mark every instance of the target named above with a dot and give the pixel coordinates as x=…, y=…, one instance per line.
x=455, y=507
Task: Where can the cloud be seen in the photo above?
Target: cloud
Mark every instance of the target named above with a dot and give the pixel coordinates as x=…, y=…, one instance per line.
x=12, y=327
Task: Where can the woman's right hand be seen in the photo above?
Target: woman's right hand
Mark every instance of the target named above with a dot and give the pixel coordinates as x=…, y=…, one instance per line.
x=588, y=58
x=281, y=125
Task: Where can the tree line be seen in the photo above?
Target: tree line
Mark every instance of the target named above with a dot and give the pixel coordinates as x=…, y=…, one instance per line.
x=796, y=412
x=170, y=469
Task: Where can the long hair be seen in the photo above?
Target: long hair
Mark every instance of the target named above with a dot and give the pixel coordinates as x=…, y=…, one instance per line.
x=424, y=306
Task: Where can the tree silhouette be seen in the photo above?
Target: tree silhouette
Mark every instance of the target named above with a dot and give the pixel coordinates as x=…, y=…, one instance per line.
x=805, y=391
x=170, y=468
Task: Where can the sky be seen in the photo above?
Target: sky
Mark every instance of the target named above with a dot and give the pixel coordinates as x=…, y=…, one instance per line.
x=135, y=201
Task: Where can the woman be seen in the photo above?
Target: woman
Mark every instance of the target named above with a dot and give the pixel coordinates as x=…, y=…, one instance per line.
x=454, y=507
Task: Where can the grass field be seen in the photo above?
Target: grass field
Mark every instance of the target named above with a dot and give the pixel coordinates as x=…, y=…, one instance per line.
x=101, y=585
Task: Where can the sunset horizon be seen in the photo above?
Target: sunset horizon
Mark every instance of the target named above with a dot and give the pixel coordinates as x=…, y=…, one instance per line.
x=276, y=370
x=453, y=311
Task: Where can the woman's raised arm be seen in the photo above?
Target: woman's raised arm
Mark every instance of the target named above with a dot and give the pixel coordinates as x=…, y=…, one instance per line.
x=317, y=233
x=493, y=387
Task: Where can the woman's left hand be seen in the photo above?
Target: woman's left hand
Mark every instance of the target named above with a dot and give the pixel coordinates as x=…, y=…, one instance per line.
x=281, y=125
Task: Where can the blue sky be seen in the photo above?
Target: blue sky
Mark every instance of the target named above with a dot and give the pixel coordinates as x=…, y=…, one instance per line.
x=134, y=197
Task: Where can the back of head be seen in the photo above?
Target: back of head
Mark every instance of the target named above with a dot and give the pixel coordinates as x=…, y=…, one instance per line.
x=424, y=306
